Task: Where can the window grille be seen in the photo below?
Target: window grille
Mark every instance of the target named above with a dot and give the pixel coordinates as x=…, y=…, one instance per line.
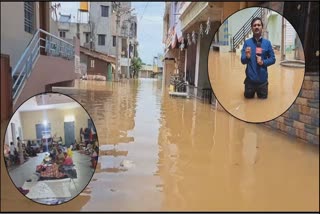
x=29, y=17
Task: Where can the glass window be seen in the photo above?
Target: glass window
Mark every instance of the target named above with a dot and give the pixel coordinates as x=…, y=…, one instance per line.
x=104, y=11
x=101, y=39
x=114, y=41
x=62, y=34
x=87, y=37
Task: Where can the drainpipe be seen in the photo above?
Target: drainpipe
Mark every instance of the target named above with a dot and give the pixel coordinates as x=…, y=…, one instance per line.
x=283, y=54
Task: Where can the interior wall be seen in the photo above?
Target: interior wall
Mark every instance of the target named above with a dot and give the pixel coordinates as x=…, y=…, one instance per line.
x=16, y=119
x=56, y=118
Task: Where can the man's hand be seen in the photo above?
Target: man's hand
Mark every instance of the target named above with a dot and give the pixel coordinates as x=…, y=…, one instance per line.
x=248, y=52
x=259, y=60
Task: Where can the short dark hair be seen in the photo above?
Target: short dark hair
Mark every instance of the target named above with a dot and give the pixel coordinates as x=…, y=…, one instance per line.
x=255, y=19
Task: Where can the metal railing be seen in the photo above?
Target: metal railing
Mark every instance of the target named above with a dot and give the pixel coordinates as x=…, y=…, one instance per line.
x=178, y=83
x=53, y=46
x=240, y=36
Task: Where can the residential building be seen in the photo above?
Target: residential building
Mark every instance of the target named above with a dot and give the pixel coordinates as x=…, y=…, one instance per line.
x=37, y=58
x=102, y=19
x=146, y=71
x=68, y=30
x=97, y=63
x=99, y=33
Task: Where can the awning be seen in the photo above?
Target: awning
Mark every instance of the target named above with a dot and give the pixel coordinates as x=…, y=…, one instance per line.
x=179, y=32
x=98, y=55
x=174, y=40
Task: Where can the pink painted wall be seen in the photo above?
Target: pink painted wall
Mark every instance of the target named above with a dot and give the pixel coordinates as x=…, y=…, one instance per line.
x=47, y=70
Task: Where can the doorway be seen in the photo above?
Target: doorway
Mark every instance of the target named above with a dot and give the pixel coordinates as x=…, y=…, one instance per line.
x=69, y=135
x=43, y=131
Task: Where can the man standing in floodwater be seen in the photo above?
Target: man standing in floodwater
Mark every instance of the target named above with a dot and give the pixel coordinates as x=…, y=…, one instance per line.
x=257, y=54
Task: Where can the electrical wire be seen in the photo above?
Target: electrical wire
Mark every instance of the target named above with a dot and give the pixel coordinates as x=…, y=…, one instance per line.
x=143, y=11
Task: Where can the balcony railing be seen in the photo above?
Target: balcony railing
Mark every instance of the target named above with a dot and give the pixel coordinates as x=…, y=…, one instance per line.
x=52, y=46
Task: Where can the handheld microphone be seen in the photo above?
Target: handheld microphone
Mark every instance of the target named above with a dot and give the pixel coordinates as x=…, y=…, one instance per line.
x=258, y=49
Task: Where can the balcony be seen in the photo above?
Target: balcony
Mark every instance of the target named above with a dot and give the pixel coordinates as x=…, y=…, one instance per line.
x=194, y=12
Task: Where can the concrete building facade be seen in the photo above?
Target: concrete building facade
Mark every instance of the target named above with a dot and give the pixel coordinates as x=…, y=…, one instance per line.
x=99, y=33
x=30, y=46
x=14, y=37
x=102, y=20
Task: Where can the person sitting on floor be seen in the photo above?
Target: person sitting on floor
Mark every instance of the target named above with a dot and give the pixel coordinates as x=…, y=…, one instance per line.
x=31, y=152
x=60, y=157
x=67, y=160
x=54, y=152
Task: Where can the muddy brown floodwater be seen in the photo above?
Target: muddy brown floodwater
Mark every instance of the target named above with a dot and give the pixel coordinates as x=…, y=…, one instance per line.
x=171, y=154
x=226, y=74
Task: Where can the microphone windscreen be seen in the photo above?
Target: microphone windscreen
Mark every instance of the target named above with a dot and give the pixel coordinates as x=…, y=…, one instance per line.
x=258, y=48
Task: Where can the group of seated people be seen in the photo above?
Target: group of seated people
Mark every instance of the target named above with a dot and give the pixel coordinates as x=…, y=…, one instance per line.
x=17, y=155
x=58, y=164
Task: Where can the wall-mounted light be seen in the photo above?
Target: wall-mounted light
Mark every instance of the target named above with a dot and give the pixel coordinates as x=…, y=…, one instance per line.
x=69, y=118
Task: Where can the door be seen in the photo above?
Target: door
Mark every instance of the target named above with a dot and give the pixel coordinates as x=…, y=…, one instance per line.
x=69, y=133
x=42, y=129
x=13, y=131
x=39, y=128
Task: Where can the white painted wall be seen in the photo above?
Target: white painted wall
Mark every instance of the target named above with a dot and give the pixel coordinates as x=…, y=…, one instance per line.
x=16, y=119
x=274, y=28
x=238, y=19
x=235, y=22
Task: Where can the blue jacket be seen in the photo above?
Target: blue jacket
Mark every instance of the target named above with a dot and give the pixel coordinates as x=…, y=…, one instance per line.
x=254, y=72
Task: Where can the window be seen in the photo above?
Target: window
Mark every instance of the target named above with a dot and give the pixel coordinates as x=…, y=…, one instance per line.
x=29, y=17
x=62, y=34
x=114, y=41
x=101, y=39
x=104, y=11
x=87, y=37
x=124, y=50
x=92, y=63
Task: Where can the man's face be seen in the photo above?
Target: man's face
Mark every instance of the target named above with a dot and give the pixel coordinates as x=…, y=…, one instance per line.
x=257, y=28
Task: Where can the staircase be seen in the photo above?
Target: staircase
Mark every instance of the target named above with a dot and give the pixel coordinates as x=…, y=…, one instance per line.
x=46, y=43
x=245, y=31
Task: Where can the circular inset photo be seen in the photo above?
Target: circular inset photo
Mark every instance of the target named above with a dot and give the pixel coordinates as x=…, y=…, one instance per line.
x=51, y=148
x=256, y=64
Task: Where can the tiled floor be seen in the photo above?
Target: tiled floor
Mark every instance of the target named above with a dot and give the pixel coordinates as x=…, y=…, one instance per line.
x=27, y=171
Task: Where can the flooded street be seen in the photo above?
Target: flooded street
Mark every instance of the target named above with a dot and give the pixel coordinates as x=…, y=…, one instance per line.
x=227, y=75
x=159, y=153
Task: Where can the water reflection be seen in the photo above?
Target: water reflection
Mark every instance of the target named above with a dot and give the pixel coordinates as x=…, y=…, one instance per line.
x=160, y=153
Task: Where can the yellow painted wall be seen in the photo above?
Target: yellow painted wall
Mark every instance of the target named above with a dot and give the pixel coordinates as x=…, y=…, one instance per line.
x=56, y=118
